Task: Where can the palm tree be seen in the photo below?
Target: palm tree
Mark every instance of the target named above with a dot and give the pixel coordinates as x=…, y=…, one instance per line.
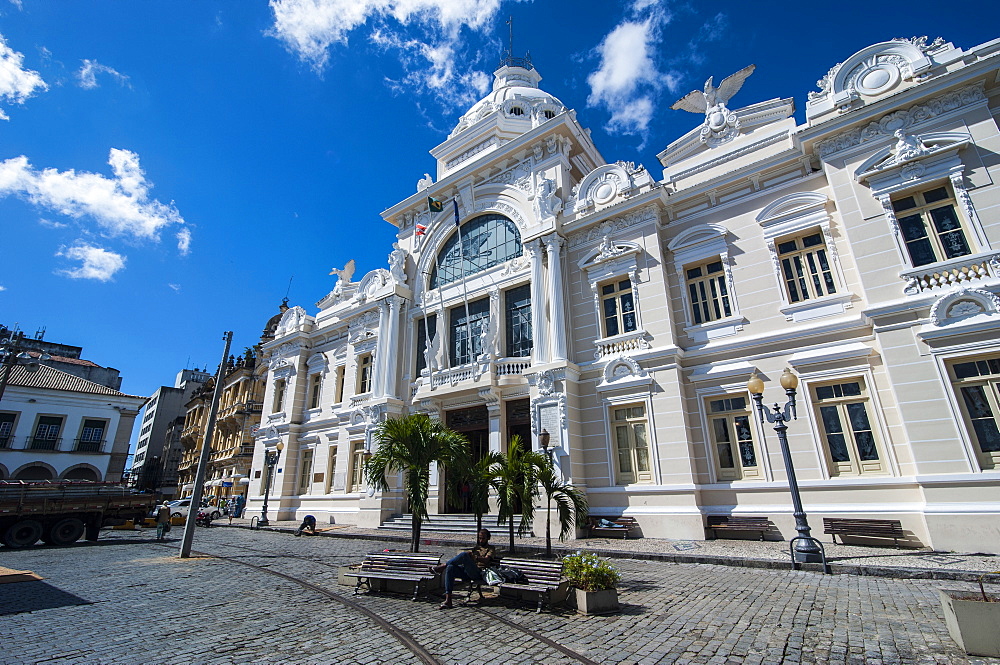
x=515, y=480
x=408, y=445
x=479, y=477
x=571, y=503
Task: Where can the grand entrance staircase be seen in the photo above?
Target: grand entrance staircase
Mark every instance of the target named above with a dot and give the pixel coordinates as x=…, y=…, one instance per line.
x=451, y=523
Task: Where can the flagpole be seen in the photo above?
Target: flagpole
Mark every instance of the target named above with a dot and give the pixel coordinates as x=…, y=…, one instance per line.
x=465, y=291
x=427, y=317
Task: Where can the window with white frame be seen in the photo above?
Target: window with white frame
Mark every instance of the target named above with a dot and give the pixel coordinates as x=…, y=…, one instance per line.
x=977, y=385
x=707, y=291
x=805, y=266
x=315, y=389
x=357, y=467
x=701, y=259
x=467, y=323
x=618, y=307
x=730, y=426
x=305, y=471
x=339, y=372
x=930, y=225
x=279, y=395
x=629, y=431
x=847, y=428
x=47, y=433
x=331, y=468
x=7, y=429
x=365, y=368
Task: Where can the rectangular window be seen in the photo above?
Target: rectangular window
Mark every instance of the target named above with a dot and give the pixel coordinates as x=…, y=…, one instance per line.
x=365, y=373
x=357, y=467
x=517, y=303
x=629, y=431
x=422, y=326
x=331, y=468
x=305, y=472
x=7, y=429
x=279, y=396
x=618, y=307
x=91, y=436
x=466, y=331
x=340, y=372
x=315, y=389
x=805, y=267
x=977, y=384
x=731, y=430
x=47, y=433
x=706, y=283
x=846, y=428
x=930, y=225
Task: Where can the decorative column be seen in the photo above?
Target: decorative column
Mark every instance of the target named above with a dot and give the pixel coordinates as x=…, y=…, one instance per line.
x=391, y=347
x=538, y=327
x=553, y=246
x=379, y=370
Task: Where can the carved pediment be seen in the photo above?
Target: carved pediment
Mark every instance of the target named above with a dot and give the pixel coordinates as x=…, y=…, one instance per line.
x=610, y=184
x=909, y=150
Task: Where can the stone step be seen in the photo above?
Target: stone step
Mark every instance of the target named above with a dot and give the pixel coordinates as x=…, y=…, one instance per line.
x=451, y=523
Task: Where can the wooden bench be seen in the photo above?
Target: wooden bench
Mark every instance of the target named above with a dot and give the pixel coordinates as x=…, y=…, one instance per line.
x=844, y=526
x=622, y=525
x=544, y=577
x=718, y=523
x=395, y=566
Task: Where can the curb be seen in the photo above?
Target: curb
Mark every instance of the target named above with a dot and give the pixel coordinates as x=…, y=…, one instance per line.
x=894, y=572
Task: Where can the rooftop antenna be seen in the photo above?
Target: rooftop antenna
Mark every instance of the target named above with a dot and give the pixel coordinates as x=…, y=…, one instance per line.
x=288, y=290
x=40, y=333
x=510, y=26
x=188, y=363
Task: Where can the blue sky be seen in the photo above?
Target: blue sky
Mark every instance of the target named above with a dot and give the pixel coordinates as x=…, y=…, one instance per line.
x=167, y=167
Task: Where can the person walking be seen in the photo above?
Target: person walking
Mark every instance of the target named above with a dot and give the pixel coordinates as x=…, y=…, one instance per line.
x=162, y=520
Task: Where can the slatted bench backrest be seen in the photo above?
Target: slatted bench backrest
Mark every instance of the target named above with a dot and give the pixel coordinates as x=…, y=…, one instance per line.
x=735, y=522
x=545, y=573
x=861, y=526
x=392, y=562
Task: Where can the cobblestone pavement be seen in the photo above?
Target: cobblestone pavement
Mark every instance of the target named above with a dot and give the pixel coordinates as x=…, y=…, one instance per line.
x=126, y=599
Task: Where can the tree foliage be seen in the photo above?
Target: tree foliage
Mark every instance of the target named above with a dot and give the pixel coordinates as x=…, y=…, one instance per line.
x=408, y=446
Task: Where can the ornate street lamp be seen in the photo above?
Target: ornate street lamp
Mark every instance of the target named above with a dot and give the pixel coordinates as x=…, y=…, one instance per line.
x=806, y=548
x=543, y=440
x=270, y=460
x=12, y=353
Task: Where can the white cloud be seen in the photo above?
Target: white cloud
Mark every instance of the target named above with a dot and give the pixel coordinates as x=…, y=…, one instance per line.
x=91, y=68
x=2, y=287
x=627, y=76
x=96, y=262
x=184, y=241
x=119, y=205
x=48, y=223
x=16, y=83
x=175, y=287
x=429, y=51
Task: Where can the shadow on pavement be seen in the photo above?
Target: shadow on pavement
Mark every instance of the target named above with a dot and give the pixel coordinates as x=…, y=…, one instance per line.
x=33, y=596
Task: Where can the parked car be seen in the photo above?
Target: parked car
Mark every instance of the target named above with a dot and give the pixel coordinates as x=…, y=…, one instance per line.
x=181, y=508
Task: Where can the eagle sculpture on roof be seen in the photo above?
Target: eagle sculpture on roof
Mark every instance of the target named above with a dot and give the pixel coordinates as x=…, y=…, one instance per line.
x=703, y=101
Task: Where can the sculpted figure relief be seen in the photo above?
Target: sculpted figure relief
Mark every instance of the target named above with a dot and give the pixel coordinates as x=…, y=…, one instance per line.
x=397, y=264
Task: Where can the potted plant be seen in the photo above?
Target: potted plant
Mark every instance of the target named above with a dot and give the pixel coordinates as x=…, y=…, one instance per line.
x=594, y=583
x=973, y=619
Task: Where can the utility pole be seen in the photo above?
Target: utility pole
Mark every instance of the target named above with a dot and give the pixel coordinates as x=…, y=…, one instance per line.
x=206, y=451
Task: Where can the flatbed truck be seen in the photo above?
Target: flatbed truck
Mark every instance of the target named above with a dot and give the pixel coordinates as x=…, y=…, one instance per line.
x=60, y=512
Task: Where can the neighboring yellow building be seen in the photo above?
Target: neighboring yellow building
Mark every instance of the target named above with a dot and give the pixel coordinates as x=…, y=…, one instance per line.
x=624, y=314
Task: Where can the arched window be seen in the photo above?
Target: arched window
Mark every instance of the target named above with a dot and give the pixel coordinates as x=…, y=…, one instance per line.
x=487, y=241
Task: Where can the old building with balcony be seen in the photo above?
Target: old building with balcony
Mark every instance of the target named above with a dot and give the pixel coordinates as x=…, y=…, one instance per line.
x=238, y=417
x=535, y=285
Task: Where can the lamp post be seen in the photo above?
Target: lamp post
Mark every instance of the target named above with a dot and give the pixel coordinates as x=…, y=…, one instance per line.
x=12, y=353
x=270, y=460
x=806, y=548
x=543, y=440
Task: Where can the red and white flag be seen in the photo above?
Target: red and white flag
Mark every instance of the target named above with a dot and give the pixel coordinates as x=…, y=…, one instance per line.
x=421, y=229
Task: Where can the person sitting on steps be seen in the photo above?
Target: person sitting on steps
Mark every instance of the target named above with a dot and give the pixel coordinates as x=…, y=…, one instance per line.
x=467, y=565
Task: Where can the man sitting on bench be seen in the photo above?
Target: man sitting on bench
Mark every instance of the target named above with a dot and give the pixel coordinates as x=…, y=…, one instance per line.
x=467, y=565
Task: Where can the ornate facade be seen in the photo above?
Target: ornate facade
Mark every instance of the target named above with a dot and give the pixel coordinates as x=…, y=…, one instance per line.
x=624, y=314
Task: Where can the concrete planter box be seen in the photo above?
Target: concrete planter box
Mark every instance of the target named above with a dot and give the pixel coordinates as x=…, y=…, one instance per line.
x=972, y=622
x=604, y=601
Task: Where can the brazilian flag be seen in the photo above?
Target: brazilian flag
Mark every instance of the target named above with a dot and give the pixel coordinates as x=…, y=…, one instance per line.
x=434, y=204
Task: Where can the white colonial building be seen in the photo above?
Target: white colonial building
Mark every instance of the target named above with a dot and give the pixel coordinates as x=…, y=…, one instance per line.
x=624, y=312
